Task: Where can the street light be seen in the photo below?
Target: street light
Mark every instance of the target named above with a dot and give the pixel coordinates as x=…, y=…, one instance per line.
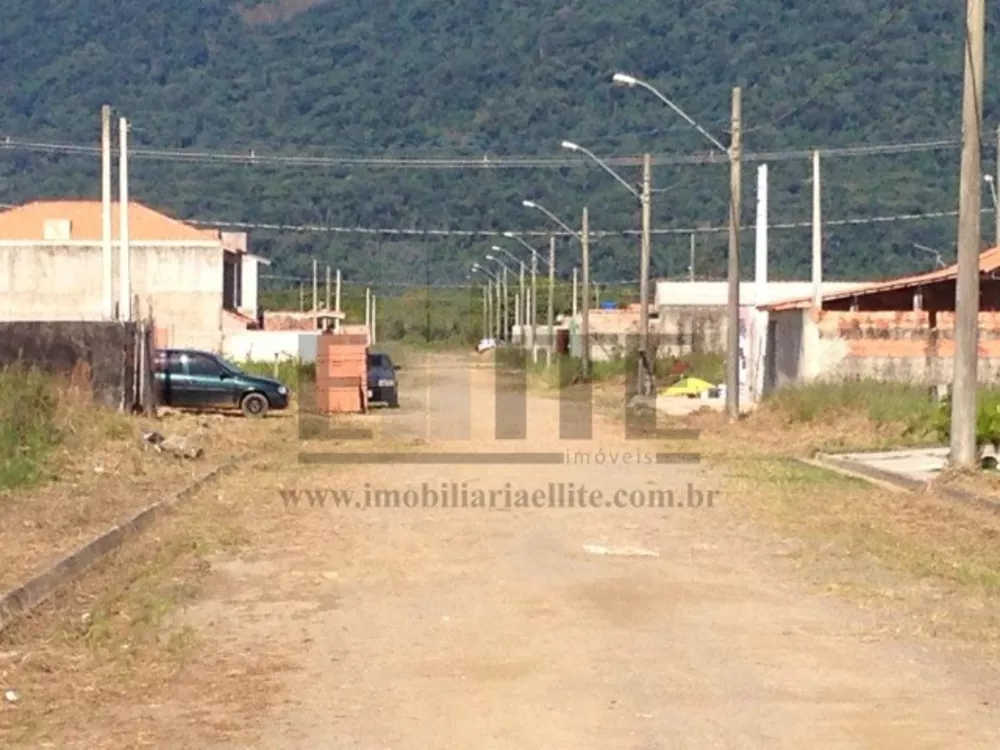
x=480, y=269
x=584, y=240
x=645, y=362
x=506, y=293
x=735, y=155
x=522, y=305
x=517, y=237
x=932, y=251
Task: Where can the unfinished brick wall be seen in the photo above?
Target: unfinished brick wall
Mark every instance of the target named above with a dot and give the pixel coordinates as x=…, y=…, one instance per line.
x=911, y=346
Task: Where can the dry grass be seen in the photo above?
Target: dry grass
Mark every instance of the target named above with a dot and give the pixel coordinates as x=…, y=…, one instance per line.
x=101, y=472
x=109, y=662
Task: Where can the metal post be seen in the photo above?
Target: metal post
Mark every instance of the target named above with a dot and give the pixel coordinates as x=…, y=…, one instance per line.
x=964, y=453
x=733, y=317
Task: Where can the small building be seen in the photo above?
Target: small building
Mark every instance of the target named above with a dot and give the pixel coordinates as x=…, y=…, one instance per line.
x=197, y=282
x=896, y=330
x=692, y=314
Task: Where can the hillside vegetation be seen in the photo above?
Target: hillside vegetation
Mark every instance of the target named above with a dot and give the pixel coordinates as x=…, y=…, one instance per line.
x=486, y=79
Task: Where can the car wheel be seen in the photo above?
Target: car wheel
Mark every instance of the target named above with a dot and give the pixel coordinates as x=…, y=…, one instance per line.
x=394, y=400
x=254, y=405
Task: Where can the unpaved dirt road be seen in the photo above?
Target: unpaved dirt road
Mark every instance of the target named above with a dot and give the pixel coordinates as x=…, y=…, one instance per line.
x=546, y=627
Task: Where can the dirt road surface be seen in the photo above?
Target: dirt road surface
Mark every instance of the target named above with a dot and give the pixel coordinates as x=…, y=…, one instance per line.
x=546, y=627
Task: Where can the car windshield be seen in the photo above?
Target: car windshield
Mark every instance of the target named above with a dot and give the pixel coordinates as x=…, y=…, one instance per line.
x=379, y=360
x=229, y=365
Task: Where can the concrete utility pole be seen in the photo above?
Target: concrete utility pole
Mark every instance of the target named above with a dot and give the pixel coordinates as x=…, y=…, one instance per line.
x=585, y=323
x=506, y=306
x=521, y=305
x=691, y=261
x=486, y=312
x=328, y=288
x=733, y=317
x=963, y=404
x=124, y=249
x=336, y=322
x=368, y=309
x=374, y=317
x=552, y=294
x=817, y=236
x=760, y=249
x=996, y=187
x=647, y=192
x=517, y=316
x=302, y=298
x=315, y=286
x=499, y=310
x=576, y=292
x=107, y=255
x=533, y=308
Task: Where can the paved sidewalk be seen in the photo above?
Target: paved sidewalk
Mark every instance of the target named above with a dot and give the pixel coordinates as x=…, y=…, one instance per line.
x=916, y=464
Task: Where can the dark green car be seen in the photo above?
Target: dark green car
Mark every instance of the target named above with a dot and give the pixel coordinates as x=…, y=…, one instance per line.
x=193, y=379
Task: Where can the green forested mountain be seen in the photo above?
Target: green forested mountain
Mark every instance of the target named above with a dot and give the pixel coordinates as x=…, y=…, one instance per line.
x=440, y=78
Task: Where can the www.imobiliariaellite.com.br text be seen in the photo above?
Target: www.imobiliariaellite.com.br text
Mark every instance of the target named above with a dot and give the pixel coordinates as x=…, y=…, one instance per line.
x=459, y=496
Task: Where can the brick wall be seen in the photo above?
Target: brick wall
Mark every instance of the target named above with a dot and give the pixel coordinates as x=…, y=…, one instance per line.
x=916, y=346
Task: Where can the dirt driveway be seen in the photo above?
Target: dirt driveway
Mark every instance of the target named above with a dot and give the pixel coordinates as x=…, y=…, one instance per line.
x=626, y=623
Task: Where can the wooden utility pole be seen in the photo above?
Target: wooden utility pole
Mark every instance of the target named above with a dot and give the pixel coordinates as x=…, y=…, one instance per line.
x=552, y=294
x=817, y=235
x=733, y=317
x=647, y=192
x=585, y=323
x=963, y=404
x=691, y=261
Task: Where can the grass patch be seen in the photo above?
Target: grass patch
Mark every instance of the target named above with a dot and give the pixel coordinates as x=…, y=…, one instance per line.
x=29, y=427
x=882, y=403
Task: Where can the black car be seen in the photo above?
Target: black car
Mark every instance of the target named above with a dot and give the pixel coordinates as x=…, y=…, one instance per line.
x=382, y=385
x=189, y=378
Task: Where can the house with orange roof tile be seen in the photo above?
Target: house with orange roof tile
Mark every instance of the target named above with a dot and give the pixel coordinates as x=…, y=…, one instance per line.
x=896, y=330
x=196, y=282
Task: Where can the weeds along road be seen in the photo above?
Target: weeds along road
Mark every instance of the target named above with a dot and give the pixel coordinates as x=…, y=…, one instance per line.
x=515, y=623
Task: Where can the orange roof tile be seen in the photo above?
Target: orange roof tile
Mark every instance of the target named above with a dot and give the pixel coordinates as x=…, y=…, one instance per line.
x=989, y=261
x=27, y=223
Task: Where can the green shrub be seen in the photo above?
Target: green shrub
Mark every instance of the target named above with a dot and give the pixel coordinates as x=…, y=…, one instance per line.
x=28, y=426
x=288, y=371
x=882, y=403
x=987, y=420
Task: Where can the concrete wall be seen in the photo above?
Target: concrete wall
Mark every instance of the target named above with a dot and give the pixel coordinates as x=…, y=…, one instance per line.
x=250, y=279
x=914, y=347
x=716, y=293
x=691, y=329
x=103, y=351
x=53, y=281
x=266, y=345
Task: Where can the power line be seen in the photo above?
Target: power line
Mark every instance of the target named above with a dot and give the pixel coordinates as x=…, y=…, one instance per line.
x=252, y=158
x=395, y=232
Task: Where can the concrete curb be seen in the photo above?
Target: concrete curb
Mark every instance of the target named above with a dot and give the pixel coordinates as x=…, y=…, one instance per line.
x=23, y=599
x=878, y=476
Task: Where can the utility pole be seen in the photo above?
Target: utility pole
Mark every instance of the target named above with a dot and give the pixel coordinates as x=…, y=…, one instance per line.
x=733, y=322
x=124, y=250
x=336, y=322
x=302, y=298
x=328, y=288
x=647, y=185
x=486, y=312
x=107, y=255
x=576, y=292
x=374, y=325
x=552, y=294
x=817, y=236
x=691, y=261
x=522, y=307
x=534, y=307
x=996, y=190
x=368, y=310
x=585, y=323
x=506, y=306
x=315, y=286
x=963, y=403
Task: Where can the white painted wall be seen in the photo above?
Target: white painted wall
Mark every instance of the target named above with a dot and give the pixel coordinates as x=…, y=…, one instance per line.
x=241, y=346
x=716, y=293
